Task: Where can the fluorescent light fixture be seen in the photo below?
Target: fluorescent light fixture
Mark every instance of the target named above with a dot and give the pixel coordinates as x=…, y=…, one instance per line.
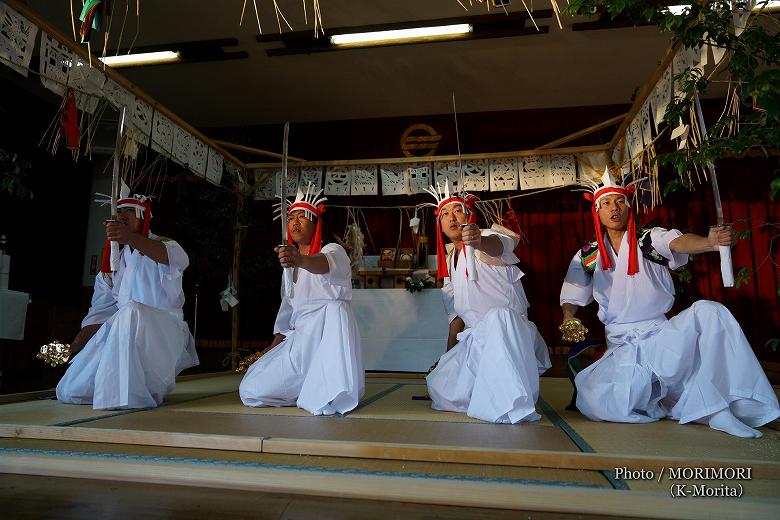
x=402, y=35
x=143, y=58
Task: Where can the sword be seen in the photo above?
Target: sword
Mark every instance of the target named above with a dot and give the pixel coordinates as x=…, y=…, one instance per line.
x=115, y=182
x=726, y=267
x=287, y=279
x=471, y=266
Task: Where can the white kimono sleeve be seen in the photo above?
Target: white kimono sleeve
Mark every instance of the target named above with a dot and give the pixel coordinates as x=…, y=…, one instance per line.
x=103, y=303
x=449, y=300
x=508, y=254
x=170, y=274
x=661, y=238
x=339, y=271
x=282, y=323
x=578, y=285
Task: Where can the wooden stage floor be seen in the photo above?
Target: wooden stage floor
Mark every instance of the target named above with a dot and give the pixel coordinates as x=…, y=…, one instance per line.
x=394, y=448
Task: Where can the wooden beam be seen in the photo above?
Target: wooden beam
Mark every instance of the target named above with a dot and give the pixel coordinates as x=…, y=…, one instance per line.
x=81, y=51
x=434, y=158
x=584, y=132
x=644, y=93
x=261, y=179
x=256, y=151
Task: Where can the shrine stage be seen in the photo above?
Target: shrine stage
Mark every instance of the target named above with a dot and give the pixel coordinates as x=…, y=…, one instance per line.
x=395, y=448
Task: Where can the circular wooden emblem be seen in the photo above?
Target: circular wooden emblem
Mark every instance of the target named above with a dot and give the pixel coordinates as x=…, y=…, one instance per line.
x=419, y=141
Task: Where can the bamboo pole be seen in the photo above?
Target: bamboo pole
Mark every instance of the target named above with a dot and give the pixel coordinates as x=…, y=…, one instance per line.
x=256, y=151
x=583, y=132
x=238, y=231
x=77, y=49
x=438, y=158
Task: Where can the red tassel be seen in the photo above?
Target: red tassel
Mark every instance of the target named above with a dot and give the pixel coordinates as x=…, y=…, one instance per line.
x=606, y=262
x=441, y=253
x=316, y=241
x=105, y=262
x=70, y=121
x=633, y=258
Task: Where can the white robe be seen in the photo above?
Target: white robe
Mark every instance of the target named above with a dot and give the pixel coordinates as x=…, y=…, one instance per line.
x=492, y=373
x=319, y=365
x=143, y=343
x=685, y=368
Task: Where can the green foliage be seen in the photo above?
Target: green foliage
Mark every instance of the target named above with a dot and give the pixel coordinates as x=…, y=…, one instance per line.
x=752, y=65
x=773, y=344
x=742, y=277
x=13, y=170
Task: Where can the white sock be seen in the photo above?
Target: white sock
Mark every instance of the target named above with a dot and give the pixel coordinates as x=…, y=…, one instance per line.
x=725, y=421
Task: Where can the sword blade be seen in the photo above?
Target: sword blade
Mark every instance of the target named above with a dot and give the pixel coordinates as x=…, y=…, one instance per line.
x=283, y=187
x=116, y=177
x=462, y=177
x=710, y=165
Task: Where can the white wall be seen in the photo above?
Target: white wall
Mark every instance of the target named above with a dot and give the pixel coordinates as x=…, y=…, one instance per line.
x=96, y=234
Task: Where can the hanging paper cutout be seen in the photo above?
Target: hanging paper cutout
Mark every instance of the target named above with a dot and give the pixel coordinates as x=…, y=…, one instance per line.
x=634, y=140
x=364, y=180
x=533, y=172
x=645, y=127
x=395, y=180
x=17, y=39
x=54, y=64
x=447, y=172
x=266, y=190
x=419, y=177
x=88, y=83
x=337, y=180
x=141, y=117
x=562, y=170
x=162, y=134
x=661, y=97
x=476, y=175
x=198, y=157
x=117, y=95
x=182, y=144
x=503, y=174
x=311, y=174
x=214, y=167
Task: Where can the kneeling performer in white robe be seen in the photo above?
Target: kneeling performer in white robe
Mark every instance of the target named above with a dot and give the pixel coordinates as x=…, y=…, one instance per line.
x=315, y=360
x=694, y=367
x=134, y=338
x=491, y=371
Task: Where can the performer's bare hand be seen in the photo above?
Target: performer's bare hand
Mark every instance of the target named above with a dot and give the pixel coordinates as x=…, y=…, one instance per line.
x=722, y=236
x=118, y=232
x=471, y=235
x=289, y=256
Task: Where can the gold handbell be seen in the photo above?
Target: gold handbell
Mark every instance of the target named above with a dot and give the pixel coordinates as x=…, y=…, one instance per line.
x=573, y=330
x=54, y=353
x=244, y=364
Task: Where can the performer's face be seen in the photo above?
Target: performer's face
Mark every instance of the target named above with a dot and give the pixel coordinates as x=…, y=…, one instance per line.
x=613, y=212
x=300, y=228
x=451, y=217
x=127, y=217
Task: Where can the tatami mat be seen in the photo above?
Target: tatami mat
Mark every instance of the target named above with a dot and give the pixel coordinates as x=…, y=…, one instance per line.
x=231, y=403
x=662, y=438
x=589, y=478
x=405, y=404
x=436, y=433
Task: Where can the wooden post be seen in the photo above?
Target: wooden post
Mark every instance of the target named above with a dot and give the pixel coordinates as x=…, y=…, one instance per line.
x=238, y=231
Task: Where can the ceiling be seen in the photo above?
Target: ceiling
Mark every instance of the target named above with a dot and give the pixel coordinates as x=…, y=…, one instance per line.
x=560, y=68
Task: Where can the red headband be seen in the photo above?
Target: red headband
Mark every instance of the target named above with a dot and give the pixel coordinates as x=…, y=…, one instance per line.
x=606, y=262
